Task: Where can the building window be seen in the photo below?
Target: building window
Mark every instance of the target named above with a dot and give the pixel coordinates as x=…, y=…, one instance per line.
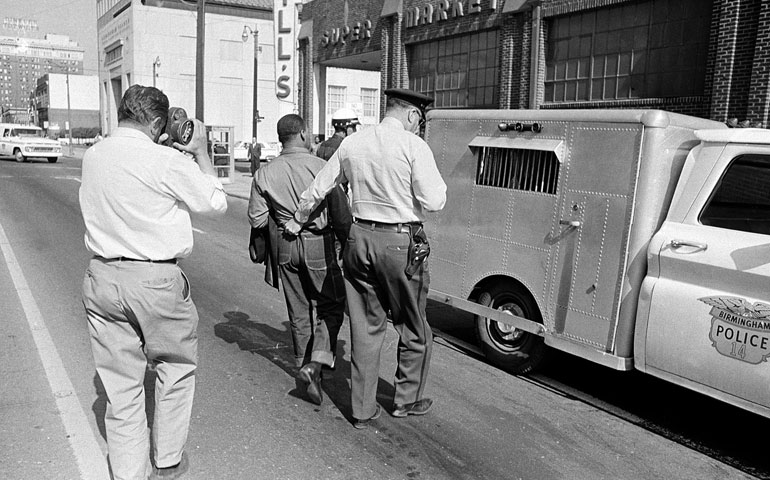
x=461, y=71
x=114, y=55
x=335, y=99
x=369, y=100
x=654, y=48
x=518, y=169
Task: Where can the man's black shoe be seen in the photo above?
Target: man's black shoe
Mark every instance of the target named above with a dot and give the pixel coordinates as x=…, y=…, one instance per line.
x=361, y=424
x=420, y=407
x=310, y=373
x=170, y=473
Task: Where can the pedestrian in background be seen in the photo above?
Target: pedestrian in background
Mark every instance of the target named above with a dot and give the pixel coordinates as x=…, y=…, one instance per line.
x=136, y=197
x=255, y=154
x=345, y=121
x=312, y=279
x=393, y=181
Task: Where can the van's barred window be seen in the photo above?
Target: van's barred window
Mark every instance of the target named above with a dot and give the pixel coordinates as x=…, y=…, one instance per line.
x=518, y=169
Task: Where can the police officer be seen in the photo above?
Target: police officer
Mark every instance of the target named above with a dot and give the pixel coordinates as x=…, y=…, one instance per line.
x=393, y=181
x=344, y=122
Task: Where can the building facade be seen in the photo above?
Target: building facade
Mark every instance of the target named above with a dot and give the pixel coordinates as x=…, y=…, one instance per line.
x=153, y=43
x=23, y=61
x=707, y=58
x=62, y=100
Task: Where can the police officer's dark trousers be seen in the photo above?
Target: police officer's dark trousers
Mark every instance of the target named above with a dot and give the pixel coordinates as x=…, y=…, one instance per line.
x=312, y=282
x=374, y=261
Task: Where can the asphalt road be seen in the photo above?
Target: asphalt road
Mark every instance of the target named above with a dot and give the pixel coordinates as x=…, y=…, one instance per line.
x=251, y=422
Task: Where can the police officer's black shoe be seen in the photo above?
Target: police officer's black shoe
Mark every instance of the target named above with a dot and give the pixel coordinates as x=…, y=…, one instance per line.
x=310, y=373
x=420, y=407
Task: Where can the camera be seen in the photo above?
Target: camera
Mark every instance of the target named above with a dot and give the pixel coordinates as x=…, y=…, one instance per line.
x=178, y=127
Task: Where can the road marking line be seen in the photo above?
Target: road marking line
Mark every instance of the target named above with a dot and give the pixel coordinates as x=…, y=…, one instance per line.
x=198, y=230
x=68, y=177
x=91, y=463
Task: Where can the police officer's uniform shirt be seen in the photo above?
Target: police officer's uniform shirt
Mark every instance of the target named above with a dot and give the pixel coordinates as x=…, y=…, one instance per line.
x=136, y=197
x=392, y=175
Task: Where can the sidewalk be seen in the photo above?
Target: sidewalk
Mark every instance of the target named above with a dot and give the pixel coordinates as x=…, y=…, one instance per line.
x=240, y=186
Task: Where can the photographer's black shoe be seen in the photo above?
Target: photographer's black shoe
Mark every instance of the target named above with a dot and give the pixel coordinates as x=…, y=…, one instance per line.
x=361, y=424
x=173, y=472
x=420, y=407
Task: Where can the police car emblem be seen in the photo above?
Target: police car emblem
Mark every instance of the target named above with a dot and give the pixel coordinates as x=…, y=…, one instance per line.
x=739, y=329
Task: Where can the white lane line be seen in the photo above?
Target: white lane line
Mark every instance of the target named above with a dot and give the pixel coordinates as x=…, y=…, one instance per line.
x=69, y=177
x=198, y=230
x=91, y=462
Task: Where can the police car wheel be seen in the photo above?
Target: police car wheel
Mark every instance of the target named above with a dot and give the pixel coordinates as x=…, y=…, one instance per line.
x=52, y=159
x=19, y=156
x=504, y=346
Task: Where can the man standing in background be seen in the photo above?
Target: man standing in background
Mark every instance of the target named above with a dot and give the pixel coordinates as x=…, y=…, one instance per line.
x=255, y=153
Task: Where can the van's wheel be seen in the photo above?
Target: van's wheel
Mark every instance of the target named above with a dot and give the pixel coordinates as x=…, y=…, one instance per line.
x=52, y=159
x=507, y=347
x=19, y=156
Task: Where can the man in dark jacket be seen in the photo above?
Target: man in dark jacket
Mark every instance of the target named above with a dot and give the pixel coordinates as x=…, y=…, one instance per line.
x=344, y=122
x=307, y=263
x=255, y=152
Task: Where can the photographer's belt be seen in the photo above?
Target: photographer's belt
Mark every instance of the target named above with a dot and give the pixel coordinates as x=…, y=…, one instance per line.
x=127, y=259
x=387, y=227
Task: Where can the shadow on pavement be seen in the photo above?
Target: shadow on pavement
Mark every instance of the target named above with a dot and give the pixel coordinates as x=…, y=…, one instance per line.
x=274, y=345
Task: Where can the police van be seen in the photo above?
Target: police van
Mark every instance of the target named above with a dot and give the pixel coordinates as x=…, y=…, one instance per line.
x=638, y=239
x=25, y=141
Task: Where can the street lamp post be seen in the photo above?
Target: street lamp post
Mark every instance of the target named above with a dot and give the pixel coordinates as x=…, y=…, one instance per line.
x=155, y=65
x=247, y=31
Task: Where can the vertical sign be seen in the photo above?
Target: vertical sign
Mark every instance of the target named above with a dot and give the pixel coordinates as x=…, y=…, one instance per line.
x=284, y=15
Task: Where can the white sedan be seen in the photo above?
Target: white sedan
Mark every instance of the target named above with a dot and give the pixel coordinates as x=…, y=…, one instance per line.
x=241, y=152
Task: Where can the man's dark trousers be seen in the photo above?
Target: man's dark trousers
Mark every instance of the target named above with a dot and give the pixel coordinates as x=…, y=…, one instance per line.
x=312, y=281
x=374, y=262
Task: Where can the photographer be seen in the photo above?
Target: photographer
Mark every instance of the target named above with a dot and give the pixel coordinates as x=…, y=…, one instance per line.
x=136, y=197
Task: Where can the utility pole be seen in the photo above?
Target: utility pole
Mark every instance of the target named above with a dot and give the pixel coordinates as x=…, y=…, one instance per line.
x=199, y=58
x=255, y=106
x=69, y=113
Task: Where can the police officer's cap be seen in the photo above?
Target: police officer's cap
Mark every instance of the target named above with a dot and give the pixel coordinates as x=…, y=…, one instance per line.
x=417, y=99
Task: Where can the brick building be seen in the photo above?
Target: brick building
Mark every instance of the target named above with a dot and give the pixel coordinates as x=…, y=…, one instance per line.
x=708, y=58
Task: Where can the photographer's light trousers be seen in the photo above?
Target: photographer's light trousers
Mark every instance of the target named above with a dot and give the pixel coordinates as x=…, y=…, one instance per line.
x=138, y=314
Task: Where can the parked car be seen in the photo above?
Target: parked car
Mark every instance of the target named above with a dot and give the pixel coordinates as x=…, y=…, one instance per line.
x=269, y=151
x=241, y=151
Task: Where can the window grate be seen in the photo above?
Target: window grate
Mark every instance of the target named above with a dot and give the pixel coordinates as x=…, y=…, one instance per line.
x=518, y=169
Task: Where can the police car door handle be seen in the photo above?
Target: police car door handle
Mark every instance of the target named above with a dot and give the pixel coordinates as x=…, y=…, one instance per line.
x=685, y=243
x=570, y=223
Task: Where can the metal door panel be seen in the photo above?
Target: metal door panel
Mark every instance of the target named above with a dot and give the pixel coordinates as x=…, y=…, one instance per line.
x=709, y=318
x=590, y=232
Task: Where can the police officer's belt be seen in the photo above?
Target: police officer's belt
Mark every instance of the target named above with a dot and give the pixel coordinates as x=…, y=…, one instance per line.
x=388, y=227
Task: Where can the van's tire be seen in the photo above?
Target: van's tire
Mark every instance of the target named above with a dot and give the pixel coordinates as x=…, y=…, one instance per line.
x=19, y=156
x=511, y=349
x=53, y=159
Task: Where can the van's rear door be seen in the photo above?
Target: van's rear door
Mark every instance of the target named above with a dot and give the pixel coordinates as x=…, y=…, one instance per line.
x=706, y=300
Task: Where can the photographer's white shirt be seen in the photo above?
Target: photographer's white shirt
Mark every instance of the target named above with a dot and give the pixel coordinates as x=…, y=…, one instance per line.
x=136, y=197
